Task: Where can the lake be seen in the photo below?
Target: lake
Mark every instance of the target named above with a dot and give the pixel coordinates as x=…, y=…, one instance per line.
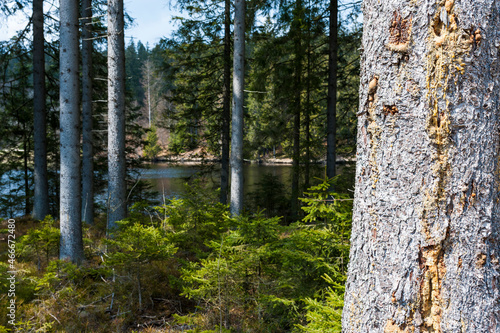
x=169, y=179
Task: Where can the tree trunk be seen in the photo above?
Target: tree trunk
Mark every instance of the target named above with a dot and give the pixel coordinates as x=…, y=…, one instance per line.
x=226, y=111
x=87, y=140
x=297, y=36
x=307, y=116
x=331, y=103
x=425, y=249
x=26, y=153
x=237, y=117
x=41, y=200
x=70, y=210
x=117, y=207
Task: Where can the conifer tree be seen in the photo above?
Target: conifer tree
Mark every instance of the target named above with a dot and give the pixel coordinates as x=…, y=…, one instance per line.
x=87, y=121
x=425, y=234
x=41, y=196
x=226, y=108
x=236, y=160
x=70, y=175
x=296, y=31
x=331, y=107
x=117, y=206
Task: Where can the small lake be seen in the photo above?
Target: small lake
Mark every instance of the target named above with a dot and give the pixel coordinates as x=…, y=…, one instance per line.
x=169, y=179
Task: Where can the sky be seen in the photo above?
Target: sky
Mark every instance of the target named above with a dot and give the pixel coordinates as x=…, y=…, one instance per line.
x=153, y=21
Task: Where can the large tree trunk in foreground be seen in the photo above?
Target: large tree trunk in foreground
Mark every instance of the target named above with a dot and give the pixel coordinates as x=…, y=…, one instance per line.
x=70, y=211
x=41, y=200
x=425, y=245
x=117, y=207
x=236, y=201
x=87, y=151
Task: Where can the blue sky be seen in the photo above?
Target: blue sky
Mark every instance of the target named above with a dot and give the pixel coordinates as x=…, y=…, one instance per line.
x=153, y=20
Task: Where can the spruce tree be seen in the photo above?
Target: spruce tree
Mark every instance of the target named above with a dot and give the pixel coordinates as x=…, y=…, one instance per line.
x=41, y=196
x=117, y=206
x=70, y=176
x=425, y=235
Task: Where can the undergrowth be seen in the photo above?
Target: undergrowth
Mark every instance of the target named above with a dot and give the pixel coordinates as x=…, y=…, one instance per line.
x=188, y=266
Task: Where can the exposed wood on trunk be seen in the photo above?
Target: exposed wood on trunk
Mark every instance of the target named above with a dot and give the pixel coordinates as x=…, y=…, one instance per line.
x=425, y=238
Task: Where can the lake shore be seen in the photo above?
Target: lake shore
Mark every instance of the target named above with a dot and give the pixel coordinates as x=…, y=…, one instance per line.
x=264, y=161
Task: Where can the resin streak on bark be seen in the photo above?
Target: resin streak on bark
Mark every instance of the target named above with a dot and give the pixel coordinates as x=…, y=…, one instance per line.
x=425, y=242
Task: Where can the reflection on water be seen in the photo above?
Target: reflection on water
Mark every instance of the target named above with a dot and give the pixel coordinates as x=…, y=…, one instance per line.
x=169, y=179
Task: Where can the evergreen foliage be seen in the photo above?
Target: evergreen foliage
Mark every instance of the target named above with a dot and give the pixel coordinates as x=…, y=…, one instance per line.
x=152, y=147
x=252, y=273
x=186, y=264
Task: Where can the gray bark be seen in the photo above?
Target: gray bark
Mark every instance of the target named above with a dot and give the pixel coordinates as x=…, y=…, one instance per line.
x=236, y=200
x=307, y=110
x=331, y=106
x=26, y=153
x=117, y=206
x=70, y=194
x=226, y=109
x=87, y=145
x=41, y=200
x=425, y=243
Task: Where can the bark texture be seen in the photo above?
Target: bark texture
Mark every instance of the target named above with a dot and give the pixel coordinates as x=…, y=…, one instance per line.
x=425, y=239
x=331, y=102
x=236, y=201
x=226, y=108
x=117, y=207
x=87, y=151
x=70, y=194
x=41, y=200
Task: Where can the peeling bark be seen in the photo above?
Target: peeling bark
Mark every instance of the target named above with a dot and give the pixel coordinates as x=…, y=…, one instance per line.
x=425, y=242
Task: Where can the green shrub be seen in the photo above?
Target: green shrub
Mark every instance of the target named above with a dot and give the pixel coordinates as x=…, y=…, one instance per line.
x=270, y=195
x=152, y=148
x=40, y=244
x=135, y=245
x=194, y=220
x=325, y=315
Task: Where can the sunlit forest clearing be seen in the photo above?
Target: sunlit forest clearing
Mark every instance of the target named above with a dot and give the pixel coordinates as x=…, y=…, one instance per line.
x=91, y=244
